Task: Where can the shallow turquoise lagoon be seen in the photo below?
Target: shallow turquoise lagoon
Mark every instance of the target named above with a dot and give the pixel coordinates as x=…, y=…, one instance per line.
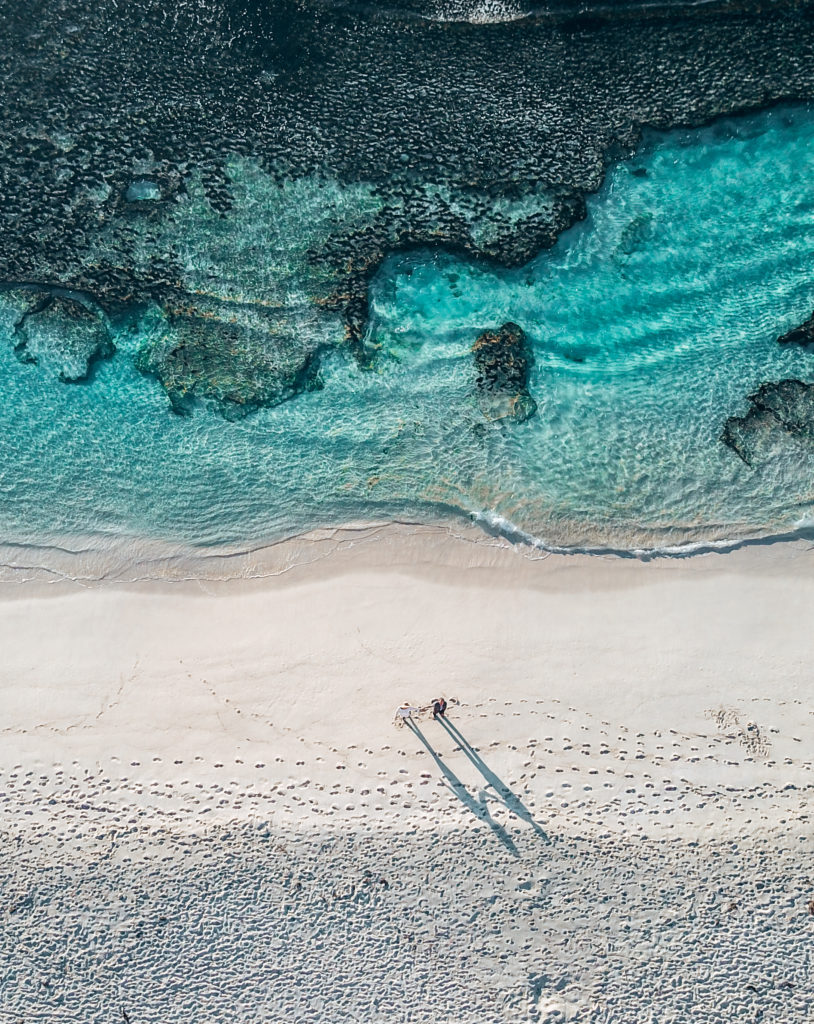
x=651, y=322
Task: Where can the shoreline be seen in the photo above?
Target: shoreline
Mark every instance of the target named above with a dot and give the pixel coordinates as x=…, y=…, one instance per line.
x=310, y=665
x=86, y=562
x=207, y=802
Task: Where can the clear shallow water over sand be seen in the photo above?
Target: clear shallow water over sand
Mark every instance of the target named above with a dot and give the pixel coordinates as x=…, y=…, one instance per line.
x=651, y=322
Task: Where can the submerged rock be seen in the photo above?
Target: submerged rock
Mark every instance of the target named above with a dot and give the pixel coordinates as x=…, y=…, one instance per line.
x=802, y=335
x=784, y=407
x=503, y=359
x=55, y=331
x=142, y=191
x=237, y=358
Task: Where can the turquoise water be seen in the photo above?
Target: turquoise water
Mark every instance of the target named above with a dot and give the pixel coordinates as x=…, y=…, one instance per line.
x=651, y=321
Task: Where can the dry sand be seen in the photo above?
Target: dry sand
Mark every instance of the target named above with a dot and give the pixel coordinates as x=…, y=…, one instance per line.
x=210, y=814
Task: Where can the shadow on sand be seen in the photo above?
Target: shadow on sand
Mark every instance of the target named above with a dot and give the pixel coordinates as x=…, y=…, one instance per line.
x=501, y=790
x=478, y=807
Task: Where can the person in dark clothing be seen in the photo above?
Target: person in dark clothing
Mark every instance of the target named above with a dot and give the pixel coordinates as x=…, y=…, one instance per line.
x=439, y=707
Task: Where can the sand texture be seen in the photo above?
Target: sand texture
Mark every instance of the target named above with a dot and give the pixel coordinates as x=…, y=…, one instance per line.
x=210, y=813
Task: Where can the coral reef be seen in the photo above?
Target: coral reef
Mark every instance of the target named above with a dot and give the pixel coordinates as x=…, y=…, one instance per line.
x=240, y=359
x=782, y=408
x=140, y=152
x=62, y=333
x=503, y=359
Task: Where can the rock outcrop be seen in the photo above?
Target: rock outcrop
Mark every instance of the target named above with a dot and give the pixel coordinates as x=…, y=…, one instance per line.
x=802, y=335
x=784, y=407
x=235, y=358
x=61, y=333
x=503, y=360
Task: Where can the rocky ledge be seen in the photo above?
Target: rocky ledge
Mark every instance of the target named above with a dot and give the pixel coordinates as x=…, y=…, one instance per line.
x=802, y=335
x=785, y=407
x=235, y=357
x=65, y=334
x=503, y=360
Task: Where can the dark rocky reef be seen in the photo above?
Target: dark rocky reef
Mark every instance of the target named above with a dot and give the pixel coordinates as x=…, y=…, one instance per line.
x=503, y=360
x=236, y=359
x=476, y=137
x=802, y=335
x=785, y=407
x=64, y=334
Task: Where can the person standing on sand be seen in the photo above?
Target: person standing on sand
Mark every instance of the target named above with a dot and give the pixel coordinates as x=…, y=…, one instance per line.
x=439, y=707
x=405, y=711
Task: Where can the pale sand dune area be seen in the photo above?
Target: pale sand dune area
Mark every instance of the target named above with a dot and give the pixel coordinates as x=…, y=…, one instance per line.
x=210, y=812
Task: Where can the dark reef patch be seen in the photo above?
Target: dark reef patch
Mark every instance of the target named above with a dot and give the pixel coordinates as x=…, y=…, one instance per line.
x=802, y=335
x=777, y=409
x=238, y=359
x=62, y=333
x=474, y=137
x=503, y=360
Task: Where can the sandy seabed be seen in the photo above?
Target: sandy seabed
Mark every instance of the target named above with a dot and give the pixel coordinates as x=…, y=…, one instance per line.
x=209, y=813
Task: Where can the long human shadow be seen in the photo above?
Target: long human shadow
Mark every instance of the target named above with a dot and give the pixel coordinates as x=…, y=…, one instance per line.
x=477, y=807
x=510, y=799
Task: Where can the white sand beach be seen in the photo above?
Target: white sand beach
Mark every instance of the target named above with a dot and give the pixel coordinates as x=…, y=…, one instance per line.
x=210, y=813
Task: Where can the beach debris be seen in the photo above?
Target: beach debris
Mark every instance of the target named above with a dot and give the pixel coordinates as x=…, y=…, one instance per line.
x=503, y=360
